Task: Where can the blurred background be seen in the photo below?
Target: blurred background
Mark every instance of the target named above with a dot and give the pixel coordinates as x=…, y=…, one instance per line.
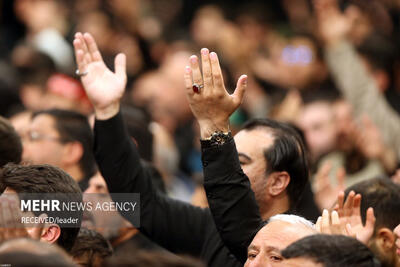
x=294, y=75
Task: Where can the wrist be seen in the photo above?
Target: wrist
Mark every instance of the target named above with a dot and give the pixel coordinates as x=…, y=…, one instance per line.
x=107, y=112
x=208, y=128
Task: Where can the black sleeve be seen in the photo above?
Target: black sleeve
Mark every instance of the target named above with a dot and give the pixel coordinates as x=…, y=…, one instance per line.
x=177, y=226
x=232, y=202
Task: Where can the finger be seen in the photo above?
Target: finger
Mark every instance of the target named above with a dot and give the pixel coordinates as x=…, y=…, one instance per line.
x=240, y=89
x=92, y=47
x=85, y=48
x=206, y=67
x=188, y=81
x=348, y=205
x=340, y=178
x=322, y=177
x=196, y=74
x=79, y=55
x=340, y=203
x=325, y=222
x=357, y=206
x=370, y=219
x=120, y=66
x=336, y=227
x=318, y=224
x=218, y=80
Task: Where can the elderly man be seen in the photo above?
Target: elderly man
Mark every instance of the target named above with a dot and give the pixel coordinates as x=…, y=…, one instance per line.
x=179, y=227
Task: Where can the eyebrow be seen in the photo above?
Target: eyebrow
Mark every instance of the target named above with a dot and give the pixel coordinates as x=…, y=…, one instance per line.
x=252, y=247
x=244, y=156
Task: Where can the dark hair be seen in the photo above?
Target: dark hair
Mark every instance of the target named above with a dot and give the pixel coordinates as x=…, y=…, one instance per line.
x=379, y=52
x=137, y=123
x=287, y=153
x=10, y=143
x=42, y=179
x=89, y=246
x=73, y=126
x=332, y=251
x=383, y=196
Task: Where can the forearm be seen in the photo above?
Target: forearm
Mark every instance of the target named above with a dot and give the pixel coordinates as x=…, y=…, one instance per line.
x=231, y=200
x=360, y=90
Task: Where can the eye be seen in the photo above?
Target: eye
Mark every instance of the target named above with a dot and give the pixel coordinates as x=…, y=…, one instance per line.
x=276, y=258
x=251, y=255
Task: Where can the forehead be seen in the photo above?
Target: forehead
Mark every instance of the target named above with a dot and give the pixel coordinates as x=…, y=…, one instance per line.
x=279, y=234
x=253, y=141
x=43, y=122
x=315, y=112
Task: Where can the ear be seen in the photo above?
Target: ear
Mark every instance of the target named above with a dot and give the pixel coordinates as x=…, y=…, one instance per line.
x=73, y=152
x=385, y=239
x=277, y=183
x=50, y=234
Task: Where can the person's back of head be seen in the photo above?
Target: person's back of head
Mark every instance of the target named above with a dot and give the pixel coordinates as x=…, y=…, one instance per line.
x=329, y=251
x=10, y=143
x=90, y=248
x=46, y=183
x=287, y=153
x=152, y=259
x=384, y=197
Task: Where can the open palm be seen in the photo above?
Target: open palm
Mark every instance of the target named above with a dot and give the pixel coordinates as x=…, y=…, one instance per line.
x=103, y=87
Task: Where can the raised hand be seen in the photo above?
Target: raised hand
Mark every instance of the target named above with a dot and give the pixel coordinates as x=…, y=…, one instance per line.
x=212, y=104
x=330, y=224
x=332, y=24
x=350, y=215
x=103, y=87
x=325, y=193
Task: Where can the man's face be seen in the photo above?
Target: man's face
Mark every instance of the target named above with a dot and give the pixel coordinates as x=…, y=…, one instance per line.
x=43, y=146
x=97, y=185
x=265, y=248
x=318, y=124
x=250, y=146
x=397, y=233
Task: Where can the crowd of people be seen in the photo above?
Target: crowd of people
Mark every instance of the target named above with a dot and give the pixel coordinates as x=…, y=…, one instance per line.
x=255, y=133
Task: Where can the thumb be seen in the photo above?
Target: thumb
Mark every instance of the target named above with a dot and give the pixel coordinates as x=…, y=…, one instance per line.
x=120, y=65
x=240, y=88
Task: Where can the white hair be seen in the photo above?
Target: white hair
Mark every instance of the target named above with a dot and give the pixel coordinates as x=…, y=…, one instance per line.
x=293, y=219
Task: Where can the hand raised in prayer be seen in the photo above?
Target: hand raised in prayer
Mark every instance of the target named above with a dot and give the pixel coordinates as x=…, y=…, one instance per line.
x=103, y=87
x=209, y=101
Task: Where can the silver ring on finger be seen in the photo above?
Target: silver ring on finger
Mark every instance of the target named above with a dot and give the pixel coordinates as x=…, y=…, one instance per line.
x=81, y=74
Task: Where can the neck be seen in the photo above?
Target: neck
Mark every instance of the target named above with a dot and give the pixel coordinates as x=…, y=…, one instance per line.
x=277, y=205
x=75, y=172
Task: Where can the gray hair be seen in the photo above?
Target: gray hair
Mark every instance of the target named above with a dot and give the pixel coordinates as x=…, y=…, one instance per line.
x=293, y=219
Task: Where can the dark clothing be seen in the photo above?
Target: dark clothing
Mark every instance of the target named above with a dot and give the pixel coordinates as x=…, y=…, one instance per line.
x=177, y=226
x=231, y=200
x=136, y=243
